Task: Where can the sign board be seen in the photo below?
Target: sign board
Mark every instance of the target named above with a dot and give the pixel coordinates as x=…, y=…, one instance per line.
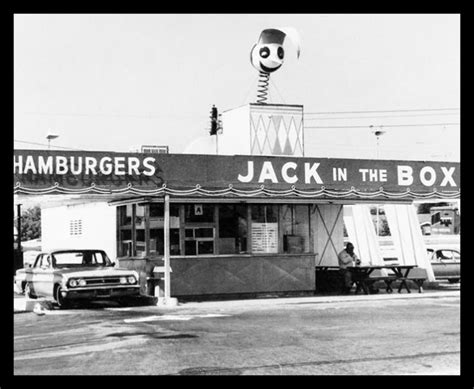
x=44, y=171
x=264, y=238
x=198, y=209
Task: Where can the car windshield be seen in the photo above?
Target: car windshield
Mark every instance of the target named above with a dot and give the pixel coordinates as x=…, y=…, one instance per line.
x=81, y=258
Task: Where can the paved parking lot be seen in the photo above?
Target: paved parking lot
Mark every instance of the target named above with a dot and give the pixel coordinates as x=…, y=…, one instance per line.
x=324, y=335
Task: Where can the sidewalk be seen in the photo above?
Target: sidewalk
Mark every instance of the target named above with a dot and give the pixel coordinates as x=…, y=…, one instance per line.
x=23, y=304
x=319, y=299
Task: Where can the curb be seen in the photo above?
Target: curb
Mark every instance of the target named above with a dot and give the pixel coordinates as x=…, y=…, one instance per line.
x=316, y=300
x=23, y=305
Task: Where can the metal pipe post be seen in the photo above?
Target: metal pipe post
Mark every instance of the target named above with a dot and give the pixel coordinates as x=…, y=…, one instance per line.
x=167, y=247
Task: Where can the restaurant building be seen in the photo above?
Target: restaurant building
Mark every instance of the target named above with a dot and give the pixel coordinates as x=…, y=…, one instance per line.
x=254, y=219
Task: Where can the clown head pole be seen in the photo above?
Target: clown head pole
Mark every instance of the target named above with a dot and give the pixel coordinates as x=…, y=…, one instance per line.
x=267, y=56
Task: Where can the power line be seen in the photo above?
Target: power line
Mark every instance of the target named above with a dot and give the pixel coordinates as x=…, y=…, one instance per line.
x=389, y=125
x=386, y=111
x=384, y=116
x=145, y=116
x=43, y=144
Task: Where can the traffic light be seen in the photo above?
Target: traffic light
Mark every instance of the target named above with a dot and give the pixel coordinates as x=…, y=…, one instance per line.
x=214, y=121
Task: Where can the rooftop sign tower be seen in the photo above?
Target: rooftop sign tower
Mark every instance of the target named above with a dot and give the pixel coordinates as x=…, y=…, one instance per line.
x=263, y=128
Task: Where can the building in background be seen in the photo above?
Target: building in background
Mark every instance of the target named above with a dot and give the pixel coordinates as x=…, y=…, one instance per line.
x=150, y=149
x=445, y=220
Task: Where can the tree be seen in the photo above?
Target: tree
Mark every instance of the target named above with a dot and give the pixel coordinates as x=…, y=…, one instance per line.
x=31, y=223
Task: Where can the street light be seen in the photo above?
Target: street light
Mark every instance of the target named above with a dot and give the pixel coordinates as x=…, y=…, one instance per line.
x=49, y=137
x=378, y=134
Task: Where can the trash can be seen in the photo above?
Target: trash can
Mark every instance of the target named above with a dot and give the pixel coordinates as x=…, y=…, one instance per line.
x=159, y=281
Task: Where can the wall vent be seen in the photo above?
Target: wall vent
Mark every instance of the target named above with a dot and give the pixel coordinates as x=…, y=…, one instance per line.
x=75, y=227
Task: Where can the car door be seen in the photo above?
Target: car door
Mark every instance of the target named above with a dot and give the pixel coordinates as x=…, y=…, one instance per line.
x=443, y=263
x=43, y=277
x=450, y=259
x=30, y=274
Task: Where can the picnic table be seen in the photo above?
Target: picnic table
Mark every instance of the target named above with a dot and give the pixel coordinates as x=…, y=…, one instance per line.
x=365, y=276
x=362, y=276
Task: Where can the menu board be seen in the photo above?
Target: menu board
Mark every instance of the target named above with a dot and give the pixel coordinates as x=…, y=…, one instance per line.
x=264, y=238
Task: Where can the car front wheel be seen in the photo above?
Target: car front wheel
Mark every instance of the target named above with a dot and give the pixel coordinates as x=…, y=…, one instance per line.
x=58, y=296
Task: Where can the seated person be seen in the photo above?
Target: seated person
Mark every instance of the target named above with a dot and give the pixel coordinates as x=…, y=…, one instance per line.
x=347, y=257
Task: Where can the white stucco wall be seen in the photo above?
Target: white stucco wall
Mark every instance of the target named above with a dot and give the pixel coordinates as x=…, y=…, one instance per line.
x=235, y=137
x=98, y=227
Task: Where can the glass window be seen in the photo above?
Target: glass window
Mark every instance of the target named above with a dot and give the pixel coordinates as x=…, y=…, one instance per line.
x=190, y=247
x=265, y=213
x=232, y=229
x=204, y=233
x=295, y=225
x=157, y=232
x=84, y=258
x=199, y=240
x=205, y=247
x=125, y=244
x=140, y=230
x=45, y=261
x=128, y=246
x=65, y=259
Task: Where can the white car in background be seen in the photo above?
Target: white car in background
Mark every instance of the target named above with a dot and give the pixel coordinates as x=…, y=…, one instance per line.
x=446, y=263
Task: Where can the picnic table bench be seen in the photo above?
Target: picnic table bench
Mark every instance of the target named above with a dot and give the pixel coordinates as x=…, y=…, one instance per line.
x=401, y=273
x=366, y=276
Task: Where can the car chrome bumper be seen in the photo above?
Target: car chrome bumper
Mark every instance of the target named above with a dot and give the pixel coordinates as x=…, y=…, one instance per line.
x=101, y=292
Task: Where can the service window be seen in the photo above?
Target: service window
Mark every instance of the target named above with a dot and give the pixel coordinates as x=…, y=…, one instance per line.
x=233, y=229
x=199, y=240
x=295, y=225
x=157, y=232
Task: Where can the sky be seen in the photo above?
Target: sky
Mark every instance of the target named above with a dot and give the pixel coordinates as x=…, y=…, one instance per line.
x=115, y=81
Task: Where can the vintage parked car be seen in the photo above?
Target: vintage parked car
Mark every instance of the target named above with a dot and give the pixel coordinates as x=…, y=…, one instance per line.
x=446, y=263
x=67, y=275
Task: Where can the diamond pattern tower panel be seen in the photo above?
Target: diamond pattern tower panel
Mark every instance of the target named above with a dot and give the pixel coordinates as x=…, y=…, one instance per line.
x=263, y=129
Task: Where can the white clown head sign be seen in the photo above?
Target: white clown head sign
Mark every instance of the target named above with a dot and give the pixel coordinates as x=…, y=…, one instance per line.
x=268, y=54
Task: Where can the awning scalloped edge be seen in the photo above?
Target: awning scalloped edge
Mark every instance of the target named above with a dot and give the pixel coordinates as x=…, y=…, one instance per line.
x=230, y=190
